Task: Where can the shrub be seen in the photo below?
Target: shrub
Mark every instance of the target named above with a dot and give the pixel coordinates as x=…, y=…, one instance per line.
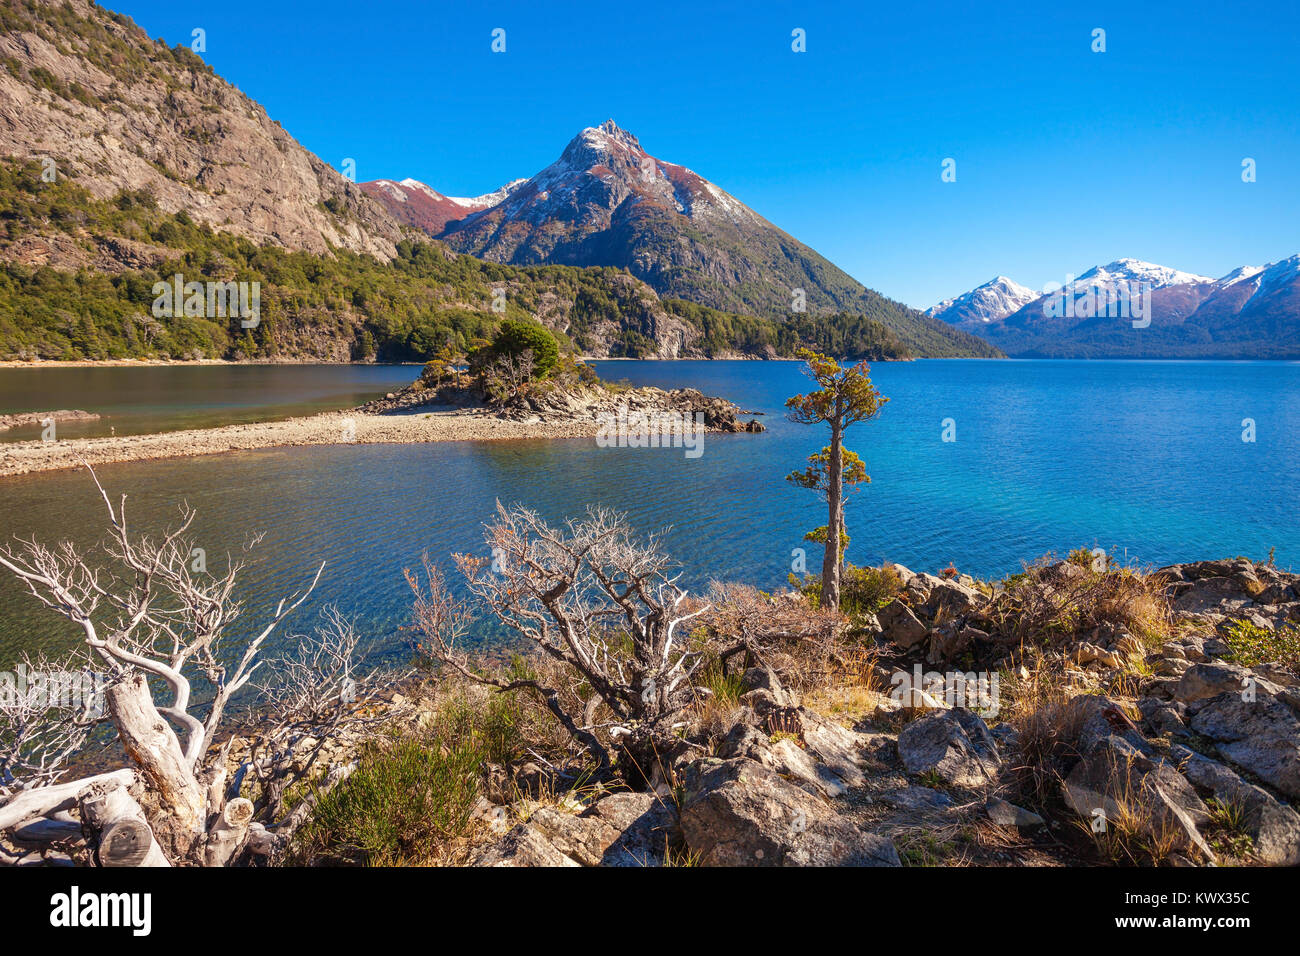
x=515, y=337
x=1253, y=645
x=867, y=590
x=406, y=803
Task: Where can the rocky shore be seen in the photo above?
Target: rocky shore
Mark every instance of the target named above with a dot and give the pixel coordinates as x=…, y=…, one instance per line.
x=1169, y=754
x=23, y=419
x=1155, y=720
x=409, y=416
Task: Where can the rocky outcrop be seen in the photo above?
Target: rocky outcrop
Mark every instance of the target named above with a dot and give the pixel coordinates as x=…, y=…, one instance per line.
x=622, y=829
x=550, y=403
x=116, y=110
x=741, y=813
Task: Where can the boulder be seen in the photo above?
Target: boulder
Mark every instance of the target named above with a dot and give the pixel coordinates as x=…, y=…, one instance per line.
x=1273, y=826
x=900, y=625
x=739, y=813
x=953, y=639
x=956, y=744
x=1261, y=736
x=1129, y=787
x=1201, y=681
x=1215, y=594
x=904, y=575
x=823, y=760
x=523, y=846
x=623, y=829
x=1006, y=814
x=951, y=599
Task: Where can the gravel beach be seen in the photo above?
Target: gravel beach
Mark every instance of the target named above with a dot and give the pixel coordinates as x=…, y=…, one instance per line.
x=331, y=428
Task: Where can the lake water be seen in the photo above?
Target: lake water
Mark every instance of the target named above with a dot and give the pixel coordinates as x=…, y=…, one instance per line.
x=159, y=398
x=1145, y=458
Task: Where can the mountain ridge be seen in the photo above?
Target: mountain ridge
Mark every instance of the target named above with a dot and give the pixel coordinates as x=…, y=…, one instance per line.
x=1251, y=312
x=606, y=201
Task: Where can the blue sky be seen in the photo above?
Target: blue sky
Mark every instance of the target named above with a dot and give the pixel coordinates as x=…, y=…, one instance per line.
x=1065, y=158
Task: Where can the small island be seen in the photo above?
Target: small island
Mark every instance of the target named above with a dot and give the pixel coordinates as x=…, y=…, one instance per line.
x=519, y=385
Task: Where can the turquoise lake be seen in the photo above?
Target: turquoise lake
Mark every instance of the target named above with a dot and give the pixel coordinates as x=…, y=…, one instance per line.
x=1143, y=458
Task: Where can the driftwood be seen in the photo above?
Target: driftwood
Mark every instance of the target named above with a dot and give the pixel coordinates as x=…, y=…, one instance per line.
x=116, y=826
x=151, y=625
x=152, y=746
x=227, y=834
x=46, y=830
x=29, y=805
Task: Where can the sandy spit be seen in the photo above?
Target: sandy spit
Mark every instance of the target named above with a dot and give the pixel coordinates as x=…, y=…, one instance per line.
x=329, y=428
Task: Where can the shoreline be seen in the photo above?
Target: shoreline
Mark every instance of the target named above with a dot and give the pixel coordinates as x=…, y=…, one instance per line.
x=434, y=424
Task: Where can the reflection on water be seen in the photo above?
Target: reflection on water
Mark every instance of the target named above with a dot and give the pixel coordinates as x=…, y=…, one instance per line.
x=1146, y=458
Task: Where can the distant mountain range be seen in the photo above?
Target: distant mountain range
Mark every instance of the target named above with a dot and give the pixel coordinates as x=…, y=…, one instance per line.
x=157, y=165
x=1252, y=312
x=607, y=202
x=428, y=210
x=161, y=165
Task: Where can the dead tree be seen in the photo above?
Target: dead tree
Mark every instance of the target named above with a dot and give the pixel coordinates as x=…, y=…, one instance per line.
x=152, y=614
x=598, y=601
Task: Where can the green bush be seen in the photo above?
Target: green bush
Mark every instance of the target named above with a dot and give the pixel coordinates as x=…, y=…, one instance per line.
x=405, y=801
x=1253, y=645
x=516, y=337
x=867, y=590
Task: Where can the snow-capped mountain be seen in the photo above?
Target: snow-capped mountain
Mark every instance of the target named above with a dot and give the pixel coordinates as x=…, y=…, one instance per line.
x=421, y=206
x=1253, y=311
x=606, y=201
x=1135, y=270
x=993, y=300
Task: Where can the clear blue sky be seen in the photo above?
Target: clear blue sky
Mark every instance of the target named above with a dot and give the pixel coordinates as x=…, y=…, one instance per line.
x=1065, y=158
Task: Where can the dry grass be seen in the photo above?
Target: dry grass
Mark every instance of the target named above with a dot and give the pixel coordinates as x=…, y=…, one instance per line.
x=1038, y=704
x=1138, y=830
x=1054, y=604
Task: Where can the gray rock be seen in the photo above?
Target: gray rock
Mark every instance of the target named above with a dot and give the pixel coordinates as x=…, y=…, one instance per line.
x=1006, y=814
x=951, y=640
x=950, y=598
x=623, y=829
x=1121, y=781
x=523, y=846
x=900, y=625
x=1273, y=826
x=956, y=744
x=740, y=813
x=1211, y=594
x=1260, y=736
x=1201, y=681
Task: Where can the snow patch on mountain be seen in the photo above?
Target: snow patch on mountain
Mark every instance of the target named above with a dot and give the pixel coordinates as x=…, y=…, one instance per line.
x=994, y=300
x=1135, y=270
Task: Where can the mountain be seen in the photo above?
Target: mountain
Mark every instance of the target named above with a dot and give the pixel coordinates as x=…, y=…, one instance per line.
x=161, y=167
x=994, y=299
x=426, y=209
x=608, y=202
x=90, y=91
x=1252, y=312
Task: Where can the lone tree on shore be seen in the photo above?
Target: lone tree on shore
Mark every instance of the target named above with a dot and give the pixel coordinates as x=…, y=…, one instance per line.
x=845, y=396
x=816, y=477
